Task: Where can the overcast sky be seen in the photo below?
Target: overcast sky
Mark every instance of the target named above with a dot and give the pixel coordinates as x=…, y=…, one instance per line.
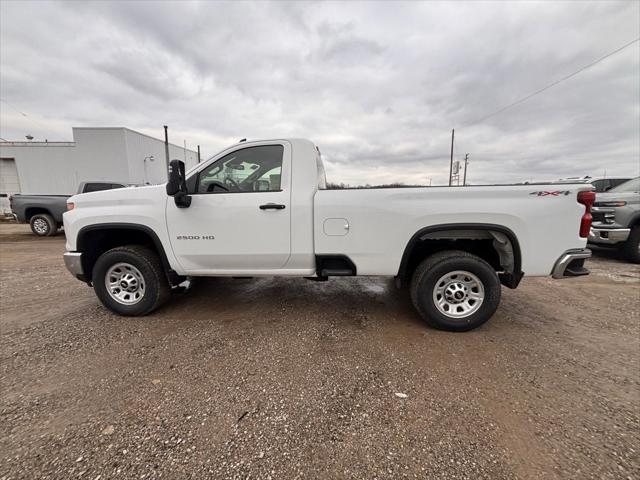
x=378, y=86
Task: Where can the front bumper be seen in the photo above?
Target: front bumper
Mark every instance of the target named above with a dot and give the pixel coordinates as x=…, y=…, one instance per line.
x=608, y=236
x=571, y=264
x=73, y=262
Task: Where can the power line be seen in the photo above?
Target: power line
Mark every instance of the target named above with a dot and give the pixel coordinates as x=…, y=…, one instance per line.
x=553, y=84
x=26, y=116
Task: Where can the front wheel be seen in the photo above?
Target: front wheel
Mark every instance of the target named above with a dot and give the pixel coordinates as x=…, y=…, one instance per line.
x=631, y=248
x=455, y=291
x=130, y=280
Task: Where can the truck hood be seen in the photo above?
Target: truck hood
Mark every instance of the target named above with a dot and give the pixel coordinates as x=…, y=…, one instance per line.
x=120, y=196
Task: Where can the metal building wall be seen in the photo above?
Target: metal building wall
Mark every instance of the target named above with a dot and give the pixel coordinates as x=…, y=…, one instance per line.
x=43, y=168
x=99, y=154
x=140, y=146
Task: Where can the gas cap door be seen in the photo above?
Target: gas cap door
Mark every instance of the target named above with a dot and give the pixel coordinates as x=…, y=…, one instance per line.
x=336, y=227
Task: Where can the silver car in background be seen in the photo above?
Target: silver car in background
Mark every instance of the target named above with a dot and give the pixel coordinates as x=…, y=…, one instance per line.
x=616, y=219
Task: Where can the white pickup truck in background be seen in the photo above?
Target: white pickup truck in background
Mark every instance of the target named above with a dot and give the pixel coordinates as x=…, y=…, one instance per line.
x=261, y=209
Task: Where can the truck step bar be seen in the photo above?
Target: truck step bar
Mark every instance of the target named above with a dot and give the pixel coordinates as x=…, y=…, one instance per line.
x=335, y=266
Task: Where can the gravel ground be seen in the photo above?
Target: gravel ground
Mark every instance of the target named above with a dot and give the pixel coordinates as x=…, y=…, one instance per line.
x=287, y=378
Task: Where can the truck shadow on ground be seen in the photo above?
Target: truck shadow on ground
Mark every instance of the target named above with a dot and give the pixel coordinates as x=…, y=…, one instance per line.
x=355, y=301
x=360, y=303
x=608, y=254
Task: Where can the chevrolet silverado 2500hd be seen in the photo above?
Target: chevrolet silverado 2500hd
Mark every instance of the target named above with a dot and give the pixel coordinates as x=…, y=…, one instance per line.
x=261, y=209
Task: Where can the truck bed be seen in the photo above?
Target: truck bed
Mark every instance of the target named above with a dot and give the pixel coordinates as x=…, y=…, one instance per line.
x=372, y=226
x=54, y=205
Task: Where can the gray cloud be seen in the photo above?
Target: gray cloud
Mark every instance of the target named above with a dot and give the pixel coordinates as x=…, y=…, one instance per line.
x=378, y=86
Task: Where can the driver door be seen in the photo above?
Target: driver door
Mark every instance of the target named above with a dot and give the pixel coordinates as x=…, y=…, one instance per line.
x=239, y=218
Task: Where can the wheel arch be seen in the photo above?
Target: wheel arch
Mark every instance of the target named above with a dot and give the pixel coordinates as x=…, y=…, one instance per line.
x=31, y=211
x=93, y=240
x=510, y=279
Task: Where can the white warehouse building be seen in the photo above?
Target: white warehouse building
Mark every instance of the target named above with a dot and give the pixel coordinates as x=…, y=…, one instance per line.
x=112, y=154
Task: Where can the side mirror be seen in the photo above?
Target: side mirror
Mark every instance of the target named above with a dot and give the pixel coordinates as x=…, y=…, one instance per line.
x=177, y=184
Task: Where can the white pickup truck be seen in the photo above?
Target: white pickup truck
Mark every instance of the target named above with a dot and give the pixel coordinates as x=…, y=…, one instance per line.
x=261, y=209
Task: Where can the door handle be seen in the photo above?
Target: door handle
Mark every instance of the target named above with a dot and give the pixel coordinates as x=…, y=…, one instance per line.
x=272, y=206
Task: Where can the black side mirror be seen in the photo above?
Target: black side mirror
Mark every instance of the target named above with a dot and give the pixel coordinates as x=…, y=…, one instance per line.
x=177, y=184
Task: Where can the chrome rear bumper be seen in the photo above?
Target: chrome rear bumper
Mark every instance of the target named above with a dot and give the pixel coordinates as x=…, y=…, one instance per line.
x=571, y=264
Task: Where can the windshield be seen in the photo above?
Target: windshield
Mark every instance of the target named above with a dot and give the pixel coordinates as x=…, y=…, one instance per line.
x=632, y=185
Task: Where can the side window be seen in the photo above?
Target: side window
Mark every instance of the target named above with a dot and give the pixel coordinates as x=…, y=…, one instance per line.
x=252, y=169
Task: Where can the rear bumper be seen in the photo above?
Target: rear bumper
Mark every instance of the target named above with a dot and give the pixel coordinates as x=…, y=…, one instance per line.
x=73, y=262
x=608, y=236
x=571, y=264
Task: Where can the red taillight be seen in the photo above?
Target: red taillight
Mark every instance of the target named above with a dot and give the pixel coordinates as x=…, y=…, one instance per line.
x=586, y=199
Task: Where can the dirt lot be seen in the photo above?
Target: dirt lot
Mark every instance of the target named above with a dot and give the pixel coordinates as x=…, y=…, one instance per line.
x=284, y=378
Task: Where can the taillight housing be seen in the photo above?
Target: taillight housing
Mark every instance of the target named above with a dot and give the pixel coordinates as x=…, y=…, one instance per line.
x=586, y=199
x=70, y=206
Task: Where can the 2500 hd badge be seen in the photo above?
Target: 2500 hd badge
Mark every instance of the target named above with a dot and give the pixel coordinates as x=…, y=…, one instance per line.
x=195, y=237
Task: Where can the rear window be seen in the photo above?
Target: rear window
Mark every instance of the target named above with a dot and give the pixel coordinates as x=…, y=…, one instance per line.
x=97, y=187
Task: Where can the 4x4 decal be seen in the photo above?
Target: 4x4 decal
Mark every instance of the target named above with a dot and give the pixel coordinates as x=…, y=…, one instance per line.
x=554, y=193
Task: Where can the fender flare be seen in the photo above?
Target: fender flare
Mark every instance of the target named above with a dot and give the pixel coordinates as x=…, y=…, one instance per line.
x=510, y=280
x=44, y=210
x=173, y=277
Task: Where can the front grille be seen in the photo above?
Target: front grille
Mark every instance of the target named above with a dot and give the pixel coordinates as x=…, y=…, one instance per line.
x=598, y=216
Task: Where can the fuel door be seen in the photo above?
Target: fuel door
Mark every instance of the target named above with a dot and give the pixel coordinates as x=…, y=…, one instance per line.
x=336, y=227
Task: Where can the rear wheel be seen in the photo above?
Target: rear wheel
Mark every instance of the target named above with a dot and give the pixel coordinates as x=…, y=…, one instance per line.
x=43, y=225
x=455, y=291
x=130, y=280
x=631, y=247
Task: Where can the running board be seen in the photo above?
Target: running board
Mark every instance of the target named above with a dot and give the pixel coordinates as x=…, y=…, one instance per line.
x=334, y=266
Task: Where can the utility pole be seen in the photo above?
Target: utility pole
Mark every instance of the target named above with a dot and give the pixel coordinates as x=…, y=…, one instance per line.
x=166, y=149
x=198, y=153
x=451, y=160
x=466, y=165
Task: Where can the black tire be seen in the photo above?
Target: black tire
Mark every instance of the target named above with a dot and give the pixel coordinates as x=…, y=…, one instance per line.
x=43, y=225
x=631, y=248
x=147, y=263
x=433, y=268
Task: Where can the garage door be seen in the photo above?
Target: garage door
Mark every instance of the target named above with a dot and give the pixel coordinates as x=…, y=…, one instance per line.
x=8, y=183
